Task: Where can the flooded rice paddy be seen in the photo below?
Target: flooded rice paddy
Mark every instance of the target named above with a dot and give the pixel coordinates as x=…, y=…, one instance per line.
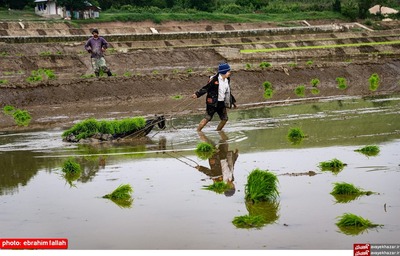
x=172, y=210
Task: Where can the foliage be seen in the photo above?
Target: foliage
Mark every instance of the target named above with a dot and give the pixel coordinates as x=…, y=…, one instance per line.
x=218, y=187
x=248, y=221
x=3, y=81
x=268, y=90
x=300, y=90
x=265, y=64
x=341, y=82
x=374, y=81
x=261, y=186
x=8, y=110
x=268, y=210
x=121, y=196
x=91, y=126
x=204, y=150
x=334, y=165
x=370, y=150
x=70, y=166
x=40, y=75
x=295, y=135
x=352, y=220
x=22, y=117
x=345, y=192
x=315, y=82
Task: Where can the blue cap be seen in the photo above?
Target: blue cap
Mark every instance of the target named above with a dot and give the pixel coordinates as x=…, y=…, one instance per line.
x=223, y=68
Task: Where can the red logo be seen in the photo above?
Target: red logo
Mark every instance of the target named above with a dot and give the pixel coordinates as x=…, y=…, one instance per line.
x=362, y=249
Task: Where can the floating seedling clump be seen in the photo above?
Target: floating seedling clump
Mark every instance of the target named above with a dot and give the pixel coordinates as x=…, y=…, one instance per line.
x=72, y=170
x=121, y=196
x=204, y=150
x=248, y=221
x=261, y=186
x=346, y=192
x=295, y=135
x=351, y=224
x=370, y=150
x=334, y=165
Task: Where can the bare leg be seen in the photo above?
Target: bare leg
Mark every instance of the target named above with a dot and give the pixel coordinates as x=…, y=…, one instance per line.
x=202, y=124
x=221, y=125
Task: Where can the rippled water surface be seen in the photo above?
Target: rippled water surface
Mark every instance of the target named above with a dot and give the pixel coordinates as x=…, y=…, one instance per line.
x=170, y=208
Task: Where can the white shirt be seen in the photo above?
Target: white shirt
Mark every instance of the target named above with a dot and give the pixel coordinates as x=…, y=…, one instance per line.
x=223, y=87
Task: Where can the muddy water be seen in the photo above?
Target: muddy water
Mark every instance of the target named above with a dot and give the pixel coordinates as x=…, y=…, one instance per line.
x=170, y=208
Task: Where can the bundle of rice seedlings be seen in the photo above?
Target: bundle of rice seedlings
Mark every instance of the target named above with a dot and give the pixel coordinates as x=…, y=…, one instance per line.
x=334, y=165
x=261, y=186
x=121, y=196
x=345, y=192
x=295, y=135
x=370, y=150
x=248, y=221
x=70, y=166
x=204, y=150
x=352, y=224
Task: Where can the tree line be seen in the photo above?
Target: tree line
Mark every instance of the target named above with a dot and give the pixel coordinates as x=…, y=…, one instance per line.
x=349, y=8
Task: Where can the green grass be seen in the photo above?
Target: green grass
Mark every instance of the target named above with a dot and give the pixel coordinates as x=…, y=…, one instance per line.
x=261, y=186
x=8, y=110
x=370, y=150
x=204, y=150
x=22, y=117
x=91, y=126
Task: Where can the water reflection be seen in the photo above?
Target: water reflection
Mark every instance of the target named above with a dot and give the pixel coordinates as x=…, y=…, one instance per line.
x=221, y=163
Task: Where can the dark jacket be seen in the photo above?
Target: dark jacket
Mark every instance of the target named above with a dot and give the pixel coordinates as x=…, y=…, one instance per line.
x=211, y=88
x=94, y=46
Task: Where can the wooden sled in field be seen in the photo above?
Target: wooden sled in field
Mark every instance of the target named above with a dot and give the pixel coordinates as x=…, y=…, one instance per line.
x=94, y=131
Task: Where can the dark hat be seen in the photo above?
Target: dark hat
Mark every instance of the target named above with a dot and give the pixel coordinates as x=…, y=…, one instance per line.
x=95, y=31
x=223, y=68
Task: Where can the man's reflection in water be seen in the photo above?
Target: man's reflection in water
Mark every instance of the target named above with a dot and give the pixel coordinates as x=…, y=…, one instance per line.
x=221, y=162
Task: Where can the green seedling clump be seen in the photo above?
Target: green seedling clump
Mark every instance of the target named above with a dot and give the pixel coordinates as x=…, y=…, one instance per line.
x=91, y=126
x=8, y=110
x=334, y=165
x=265, y=65
x=374, y=81
x=268, y=90
x=204, y=150
x=70, y=166
x=370, y=150
x=295, y=135
x=315, y=82
x=22, y=117
x=261, y=186
x=352, y=220
x=41, y=74
x=341, y=83
x=123, y=192
x=121, y=196
x=344, y=192
x=218, y=187
x=300, y=90
x=248, y=221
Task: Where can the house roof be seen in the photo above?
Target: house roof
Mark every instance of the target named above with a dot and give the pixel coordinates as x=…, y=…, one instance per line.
x=39, y=1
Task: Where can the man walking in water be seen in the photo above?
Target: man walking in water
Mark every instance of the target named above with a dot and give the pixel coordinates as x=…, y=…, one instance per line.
x=96, y=46
x=218, y=98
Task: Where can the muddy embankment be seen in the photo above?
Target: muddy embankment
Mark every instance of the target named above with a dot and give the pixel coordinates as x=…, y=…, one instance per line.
x=151, y=73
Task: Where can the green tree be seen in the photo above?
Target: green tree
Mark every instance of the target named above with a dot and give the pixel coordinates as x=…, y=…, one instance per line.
x=72, y=4
x=337, y=6
x=17, y=4
x=363, y=6
x=202, y=5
